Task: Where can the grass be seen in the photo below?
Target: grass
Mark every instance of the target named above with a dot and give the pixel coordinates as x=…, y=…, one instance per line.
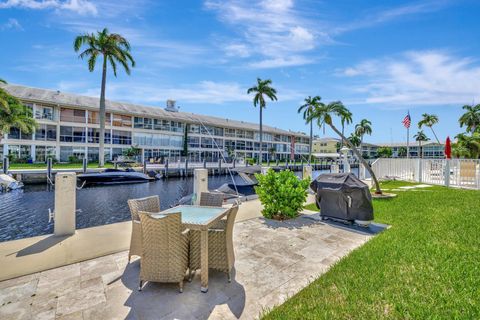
x=426, y=266
x=20, y=166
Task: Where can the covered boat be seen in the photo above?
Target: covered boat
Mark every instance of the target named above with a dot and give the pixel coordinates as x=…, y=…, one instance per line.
x=343, y=196
x=114, y=176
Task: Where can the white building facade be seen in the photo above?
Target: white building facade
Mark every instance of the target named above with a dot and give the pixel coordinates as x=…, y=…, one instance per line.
x=69, y=129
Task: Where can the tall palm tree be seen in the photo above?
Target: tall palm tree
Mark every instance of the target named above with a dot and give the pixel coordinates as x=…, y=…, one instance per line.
x=114, y=49
x=324, y=115
x=471, y=118
x=307, y=109
x=420, y=137
x=345, y=118
x=429, y=120
x=363, y=128
x=15, y=115
x=262, y=89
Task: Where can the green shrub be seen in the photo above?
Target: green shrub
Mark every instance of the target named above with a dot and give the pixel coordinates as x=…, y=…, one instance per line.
x=281, y=193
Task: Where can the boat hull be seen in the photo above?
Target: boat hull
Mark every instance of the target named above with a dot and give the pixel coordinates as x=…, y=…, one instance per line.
x=114, y=178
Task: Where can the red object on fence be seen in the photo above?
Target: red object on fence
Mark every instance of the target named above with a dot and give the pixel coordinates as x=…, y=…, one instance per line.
x=448, y=148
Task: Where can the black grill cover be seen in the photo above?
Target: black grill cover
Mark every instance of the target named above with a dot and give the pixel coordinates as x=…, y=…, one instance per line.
x=343, y=196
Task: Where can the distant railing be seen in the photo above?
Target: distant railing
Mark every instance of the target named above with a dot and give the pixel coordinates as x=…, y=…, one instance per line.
x=463, y=173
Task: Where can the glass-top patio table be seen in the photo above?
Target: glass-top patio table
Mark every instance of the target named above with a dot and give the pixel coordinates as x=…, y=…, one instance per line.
x=201, y=219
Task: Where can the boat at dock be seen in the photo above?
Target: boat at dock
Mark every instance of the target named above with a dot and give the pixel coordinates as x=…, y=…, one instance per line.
x=114, y=176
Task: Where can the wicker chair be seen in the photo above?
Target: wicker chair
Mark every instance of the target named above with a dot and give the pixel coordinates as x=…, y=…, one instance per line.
x=209, y=199
x=220, y=246
x=148, y=204
x=164, y=249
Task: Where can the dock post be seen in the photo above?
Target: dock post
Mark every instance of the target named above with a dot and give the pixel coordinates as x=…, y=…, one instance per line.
x=233, y=163
x=85, y=165
x=166, y=168
x=277, y=162
x=5, y=165
x=144, y=166
x=200, y=184
x=49, y=169
x=65, y=203
x=268, y=163
x=219, y=166
x=204, y=163
x=186, y=167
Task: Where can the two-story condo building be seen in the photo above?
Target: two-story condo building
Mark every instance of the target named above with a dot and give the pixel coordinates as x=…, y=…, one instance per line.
x=69, y=127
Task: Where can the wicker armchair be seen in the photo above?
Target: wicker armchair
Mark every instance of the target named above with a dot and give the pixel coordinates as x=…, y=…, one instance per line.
x=164, y=249
x=209, y=199
x=148, y=204
x=220, y=246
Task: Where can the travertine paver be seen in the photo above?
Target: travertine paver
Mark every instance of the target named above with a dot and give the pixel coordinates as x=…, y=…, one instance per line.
x=274, y=260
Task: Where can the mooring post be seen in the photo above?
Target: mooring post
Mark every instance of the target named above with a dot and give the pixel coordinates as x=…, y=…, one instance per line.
x=219, y=166
x=65, y=203
x=5, y=165
x=233, y=162
x=186, y=167
x=277, y=163
x=307, y=172
x=145, y=166
x=166, y=168
x=200, y=184
x=204, y=163
x=49, y=169
x=85, y=165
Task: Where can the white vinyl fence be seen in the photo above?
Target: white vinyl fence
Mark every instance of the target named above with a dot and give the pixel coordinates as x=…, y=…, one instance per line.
x=464, y=173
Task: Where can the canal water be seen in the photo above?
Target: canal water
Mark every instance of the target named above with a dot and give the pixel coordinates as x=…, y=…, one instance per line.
x=24, y=213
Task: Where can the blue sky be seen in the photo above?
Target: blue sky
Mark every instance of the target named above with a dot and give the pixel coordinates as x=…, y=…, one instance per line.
x=381, y=58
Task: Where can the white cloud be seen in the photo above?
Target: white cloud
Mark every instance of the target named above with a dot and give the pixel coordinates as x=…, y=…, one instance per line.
x=271, y=29
x=237, y=50
x=280, y=62
x=418, y=78
x=11, y=24
x=82, y=7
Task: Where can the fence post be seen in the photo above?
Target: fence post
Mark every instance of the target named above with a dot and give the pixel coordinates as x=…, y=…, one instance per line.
x=5, y=165
x=447, y=173
x=419, y=170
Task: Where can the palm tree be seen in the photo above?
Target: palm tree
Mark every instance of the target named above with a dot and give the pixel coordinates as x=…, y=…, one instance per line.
x=345, y=118
x=471, y=143
x=114, y=49
x=471, y=118
x=15, y=115
x=262, y=88
x=429, y=120
x=307, y=109
x=324, y=115
x=3, y=102
x=363, y=128
x=420, y=136
x=354, y=140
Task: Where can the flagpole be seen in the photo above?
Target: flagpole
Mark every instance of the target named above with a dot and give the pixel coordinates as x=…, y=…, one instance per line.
x=408, y=136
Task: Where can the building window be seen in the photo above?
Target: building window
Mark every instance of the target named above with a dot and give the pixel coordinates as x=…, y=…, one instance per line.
x=68, y=154
x=72, y=134
x=44, y=112
x=94, y=135
x=193, y=142
x=46, y=133
x=94, y=117
x=20, y=152
x=16, y=133
x=72, y=115
x=121, y=137
x=121, y=121
x=229, y=132
x=143, y=123
x=42, y=153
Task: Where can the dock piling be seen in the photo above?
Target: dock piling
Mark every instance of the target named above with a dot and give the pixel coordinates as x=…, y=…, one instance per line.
x=49, y=170
x=85, y=165
x=5, y=164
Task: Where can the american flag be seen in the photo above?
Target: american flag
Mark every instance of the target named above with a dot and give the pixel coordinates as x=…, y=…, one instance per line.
x=407, y=121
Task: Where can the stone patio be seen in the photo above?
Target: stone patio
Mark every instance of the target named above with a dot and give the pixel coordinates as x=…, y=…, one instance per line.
x=274, y=260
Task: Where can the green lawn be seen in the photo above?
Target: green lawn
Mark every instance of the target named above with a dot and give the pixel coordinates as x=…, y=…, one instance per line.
x=426, y=266
x=19, y=166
